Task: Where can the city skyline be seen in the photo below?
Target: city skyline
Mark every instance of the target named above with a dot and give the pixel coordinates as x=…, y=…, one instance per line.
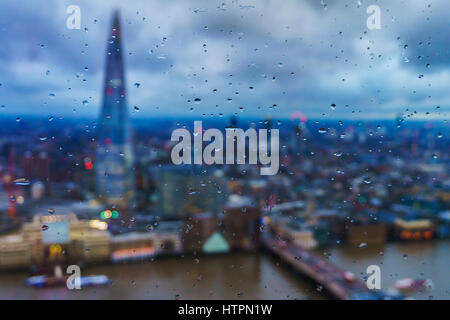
x=224, y=150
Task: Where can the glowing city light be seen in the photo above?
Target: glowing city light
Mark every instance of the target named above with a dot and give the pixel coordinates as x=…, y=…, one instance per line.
x=99, y=225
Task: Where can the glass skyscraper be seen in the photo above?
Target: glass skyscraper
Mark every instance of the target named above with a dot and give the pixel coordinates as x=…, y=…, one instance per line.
x=114, y=163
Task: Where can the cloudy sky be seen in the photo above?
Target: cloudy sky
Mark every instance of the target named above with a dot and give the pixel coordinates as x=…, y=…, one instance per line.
x=241, y=56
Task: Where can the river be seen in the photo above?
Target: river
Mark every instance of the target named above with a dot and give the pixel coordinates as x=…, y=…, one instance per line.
x=247, y=276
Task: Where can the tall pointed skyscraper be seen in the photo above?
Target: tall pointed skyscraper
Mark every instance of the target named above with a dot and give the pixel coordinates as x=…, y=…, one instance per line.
x=114, y=164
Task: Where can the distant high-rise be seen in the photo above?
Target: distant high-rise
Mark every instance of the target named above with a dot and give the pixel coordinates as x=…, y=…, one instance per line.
x=114, y=164
x=185, y=189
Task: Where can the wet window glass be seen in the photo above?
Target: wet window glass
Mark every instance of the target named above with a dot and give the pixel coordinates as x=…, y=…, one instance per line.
x=232, y=149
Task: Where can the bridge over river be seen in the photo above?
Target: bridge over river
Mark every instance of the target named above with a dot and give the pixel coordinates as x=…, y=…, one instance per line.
x=340, y=284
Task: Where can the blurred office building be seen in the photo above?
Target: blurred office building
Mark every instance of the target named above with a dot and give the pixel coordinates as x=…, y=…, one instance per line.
x=242, y=223
x=55, y=239
x=184, y=190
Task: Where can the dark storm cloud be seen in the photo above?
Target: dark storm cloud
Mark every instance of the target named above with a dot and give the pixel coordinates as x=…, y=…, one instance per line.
x=236, y=56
